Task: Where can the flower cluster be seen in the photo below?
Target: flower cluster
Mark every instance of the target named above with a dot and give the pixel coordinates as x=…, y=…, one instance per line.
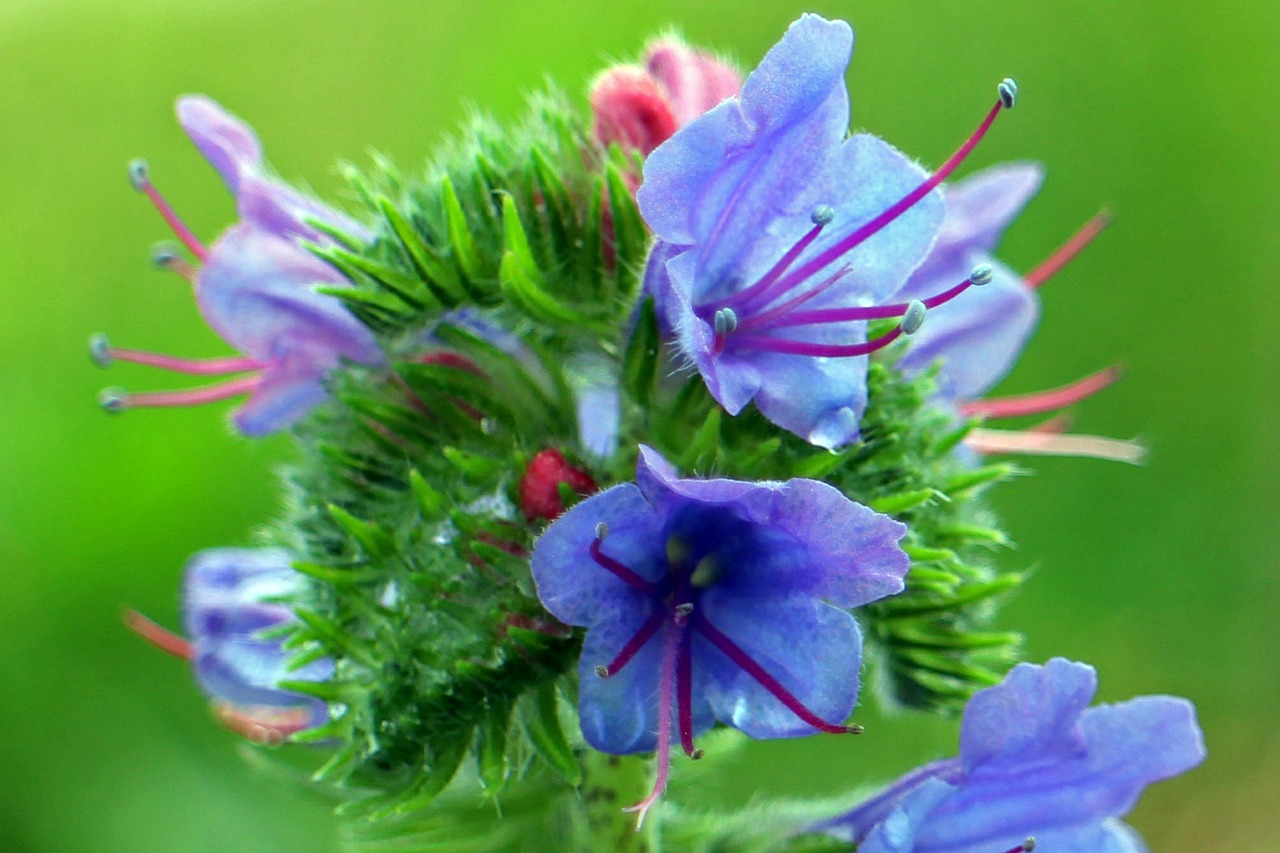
x=596, y=458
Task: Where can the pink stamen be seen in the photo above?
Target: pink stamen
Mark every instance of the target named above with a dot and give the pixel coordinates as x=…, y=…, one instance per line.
x=1042, y=401
x=769, y=344
x=845, y=315
x=142, y=182
x=822, y=217
x=162, y=638
x=1041, y=443
x=1025, y=847
x=670, y=650
x=1067, y=252
x=260, y=723
x=634, y=645
x=167, y=258
x=684, y=697
x=621, y=572
x=103, y=354
x=1056, y=425
x=114, y=400
x=748, y=665
x=871, y=228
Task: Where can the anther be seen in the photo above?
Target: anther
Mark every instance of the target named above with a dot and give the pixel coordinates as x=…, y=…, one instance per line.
x=682, y=612
x=602, y=530
x=602, y=671
x=113, y=400
x=981, y=275
x=1008, y=92
x=726, y=320
x=1025, y=847
x=100, y=350
x=822, y=215
x=164, y=255
x=913, y=318
x=139, y=178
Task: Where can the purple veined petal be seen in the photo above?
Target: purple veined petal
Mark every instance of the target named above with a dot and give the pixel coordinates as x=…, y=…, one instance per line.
x=709, y=180
x=978, y=336
x=288, y=391
x=571, y=585
x=257, y=291
x=229, y=144
x=983, y=205
x=274, y=206
x=812, y=649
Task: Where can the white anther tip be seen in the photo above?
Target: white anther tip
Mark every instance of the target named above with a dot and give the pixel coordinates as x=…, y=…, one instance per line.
x=981, y=274
x=1029, y=845
x=138, y=173
x=164, y=254
x=823, y=214
x=1008, y=92
x=602, y=530
x=100, y=350
x=913, y=318
x=113, y=399
x=726, y=321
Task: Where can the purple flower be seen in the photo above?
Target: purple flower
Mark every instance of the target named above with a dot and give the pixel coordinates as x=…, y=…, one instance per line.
x=231, y=596
x=715, y=600
x=255, y=286
x=779, y=237
x=1035, y=762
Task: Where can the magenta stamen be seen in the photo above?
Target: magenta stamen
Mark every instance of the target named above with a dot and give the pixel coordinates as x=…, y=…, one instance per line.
x=621, y=572
x=115, y=400
x=770, y=344
x=663, y=749
x=845, y=315
x=1068, y=250
x=765, y=318
x=1025, y=847
x=684, y=696
x=767, y=681
x=634, y=645
x=1043, y=443
x=192, y=366
x=871, y=228
x=162, y=638
x=758, y=290
x=142, y=182
x=1042, y=401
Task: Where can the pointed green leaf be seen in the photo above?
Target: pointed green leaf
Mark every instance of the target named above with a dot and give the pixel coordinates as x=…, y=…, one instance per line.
x=375, y=541
x=541, y=725
x=435, y=270
x=640, y=360
x=460, y=240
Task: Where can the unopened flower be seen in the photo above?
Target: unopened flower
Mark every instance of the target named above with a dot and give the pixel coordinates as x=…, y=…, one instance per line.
x=779, y=237
x=1035, y=763
x=230, y=597
x=715, y=601
x=256, y=287
x=640, y=106
x=977, y=339
x=540, y=498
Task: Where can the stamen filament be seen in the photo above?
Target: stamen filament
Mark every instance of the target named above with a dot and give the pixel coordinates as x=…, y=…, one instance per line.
x=1068, y=250
x=1042, y=401
x=166, y=257
x=757, y=291
x=114, y=400
x=765, y=318
x=684, y=696
x=103, y=354
x=1039, y=442
x=745, y=662
x=1025, y=847
x=162, y=638
x=663, y=748
x=142, y=182
x=621, y=572
x=901, y=206
x=771, y=344
x=634, y=645
x=846, y=315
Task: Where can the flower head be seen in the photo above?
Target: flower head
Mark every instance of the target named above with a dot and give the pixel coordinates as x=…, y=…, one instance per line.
x=640, y=106
x=256, y=287
x=231, y=596
x=779, y=237
x=727, y=596
x=1035, y=762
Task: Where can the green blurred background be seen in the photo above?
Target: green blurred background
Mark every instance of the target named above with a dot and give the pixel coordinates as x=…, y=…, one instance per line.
x=1164, y=577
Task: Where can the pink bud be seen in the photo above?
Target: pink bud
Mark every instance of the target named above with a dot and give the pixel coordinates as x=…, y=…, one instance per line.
x=694, y=81
x=632, y=109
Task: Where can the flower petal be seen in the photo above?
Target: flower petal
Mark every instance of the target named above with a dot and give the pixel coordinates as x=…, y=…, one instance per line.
x=229, y=144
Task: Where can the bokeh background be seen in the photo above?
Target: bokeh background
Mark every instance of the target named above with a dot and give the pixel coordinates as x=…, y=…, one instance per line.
x=1164, y=577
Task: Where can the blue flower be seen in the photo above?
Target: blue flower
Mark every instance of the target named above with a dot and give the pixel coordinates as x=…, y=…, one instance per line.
x=255, y=286
x=715, y=600
x=230, y=597
x=779, y=237
x=1035, y=762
